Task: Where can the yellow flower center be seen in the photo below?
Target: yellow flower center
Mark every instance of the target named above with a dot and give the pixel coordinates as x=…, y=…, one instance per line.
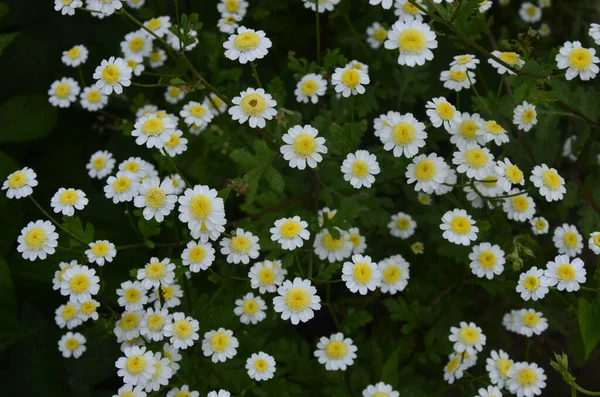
x=290, y=229
x=130, y=321
x=570, y=239
x=297, y=299
x=122, y=184
x=79, y=283
x=71, y=343
x=425, y=170
x=510, y=57
x=487, y=259
x=153, y=127
x=354, y=239
x=167, y=292
x=250, y=306
x=155, y=56
x=219, y=341
x=476, y=158
x=309, y=87
x=99, y=163
x=464, y=59
x=68, y=312
x=182, y=393
x=360, y=169
x=131, y=63
x=88, y=307
x=197, y=111
x=154, y=24
x=460, y=225
x=468, y=129
x=362, y=272
x=410, y=8
x=127, y=394
x=266, y=276
x=453, y=364
x=174, y=91
x=68, y=197
x=197, y=254
x=580, y=58
x=531, y=282
x=232, y=5
x=131, y=295
x=182, y=329
x=173, y=140
x=540, y=224
x=261, y=365
x=17, y=180
x=111, y=74
x=412, y=41
x=565, y=272
x=155, y=322
x=253, y=104
x=403, y=223
x=490, y=181
x=468, y=335
x=445, y=110
x=458, y=75
x=494, y=128
x=36, y=238
x=100, y=249
x=136, y=364
x=200, y=207
x=62, y=90
x=531, y=319
x=62, y=273
x=403, y=133
x=527, y=377
x=380, y=34
x=513, y=174
x=136, y=44
x=156, y=271
x=531, y=10
x=520, y=203
x=597, y=239
x=336, y=350
x=528, y=115
x=304, y=145
x=551, y=179
x=74, y=53
x=93, y=97
x=241, y=244
x=246, y=41
x=332, y=244
x=392, y=274
x=229, y=20
x=351, y=78
x=503, y=365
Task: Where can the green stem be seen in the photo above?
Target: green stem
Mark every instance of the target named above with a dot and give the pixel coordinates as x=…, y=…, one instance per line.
x=499, y=90
x=589, y=289
x=328, y=299
x=573, y=391
x=112, y=116
x=133, y=19
x=527, y=349
x=255, y=74
x=137, y=232
x=507, y=196
x=584, y=391
x=318, y=32
x=357, y=36
x=477, y=93
x=179, y=32
x=56, y=223
x=81, y=76
x=170, y=159
x=297, y=260
x=150, y=85
x=352, y=115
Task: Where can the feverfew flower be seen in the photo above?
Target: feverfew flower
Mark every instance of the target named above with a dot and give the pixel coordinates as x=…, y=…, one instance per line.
x=174, y=94
x=565, y=274
x=20, y=183
x=594, y=242
x=128, y=326
x=137, y=45
x=414, y=41
x=203, y=211
x=303, y=147
x=153, y=131
x=93, y=99
x=310, y=88
x=467, y=338
x=376, y=35
x=254, y=106
x=551, y=185
x=333, y=249
x=530, y=13
x=113, y=75
x=402, y=134
x=228, y=23
x=532, y=284
x=349, y=80
x=137, y=4
x=136, y=66
x=67, y=7
x=88, y=309
x=177, y=183
x=525, y=116
x=394, y=274
x=361, y=274
x=219, y=345
x=37, y=240
x=101, y=164
x=336, y=352
x=137, y=367
x=440, y=111
x=167, y=296
x=485, y=5
x=160, y=26
x=457, y=79
x=290, y=232
x=510, y=58
x=508, y=175
x=72, y=345
x=196, y=113
x=247, y=45
x=531, y=322
x=594, y=32
x=63, y=92
x=464, y=62
x=497, y=366
x=121, y=188
x=539, y=225
x=157, y=58
x=359, y=243
x=100, y=252
x=495, y=132
x=132, y=296
x=156, y=273
x=474, y=161
x=459, y=227
x=359, y=168
x=379, y=389
x=58, y=275
x=198, y=256
x=402, y=225
x=526, y=380
x=250, y=309
x=519, y=207
x=297, y=301
x=266, y=276
x=260, y=366
x=468, y=131
x=156, y=198
x=568, y=240
x=67, y=315
x=323, y=5
x=429, y=171
x=487, y=260
x=406, y=11
x=241, y=247
x=184, y=391
x=183, y=331
x=106, y=7
x=66, y=201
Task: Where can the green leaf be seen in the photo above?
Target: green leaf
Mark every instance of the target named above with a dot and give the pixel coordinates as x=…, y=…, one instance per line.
x=177, y=81
x=326, y=271
x=18, y=127
x=275, y=179
x=389, y=372
x=295, y=64
x=334, y=58
x=277, y=89
x=243, y=158
x=74, y=225
x=6, y=39
x=355, y=319
x=588, y=315
x=148, y=228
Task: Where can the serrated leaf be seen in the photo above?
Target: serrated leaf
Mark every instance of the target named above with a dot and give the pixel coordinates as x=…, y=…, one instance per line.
x=588, y=314
x=275, y=179
x=243, y=158
x=334, y=58
x=355, y=319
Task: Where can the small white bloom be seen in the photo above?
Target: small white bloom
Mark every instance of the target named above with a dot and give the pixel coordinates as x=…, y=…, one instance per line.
x=457, y=79
x=539, y=225
x=359, y=169
x=359, y=243
x=526, y=380
x=132, y=296
x=67, y=7
x=497, y=366
x=510, y=58
x=153, y=131
x=160, y=26
x=72, y=345
x=525, y=116
x=459, y=227
x=402, y=134
x=531, y=322
x=495, y=132
x=468, y=337
x=37, y=240
x=63, y=92
x=66, y=201
x=128, y=326
x=414, y=40
x=550, y=183
x=429, y=171
x=310, y=88
x=441, y=112
x=297, y=301
x=254, y=106
x=464, y=62
x=532, y=284
x=100, y=252
x=121, y=188
x=183, y=331
x=376, y=35
x=303, y=147
x=379, y=389
x=508, y=175
x=290, y=232
x=402, y=225
x=361, y=274
x=487, y=260
x=568, y=240
x=530, y=13
x=112, y=75
x=198, y=256
x=241, y=247
x=336, y=352
x=247, y=45
x=137, y=45
x=137, y=367
x=266, y=276
x=219, y=345
x=519, y=207
x=594, y=242
x=250, y=309
x=326, y=246
x=394, y=274
x=196, y=113
x=156, y=273
x=93, y=99
x=261, y=366
x=565, y=274
x=20, y=183
x=349, y=81
x=101, y=164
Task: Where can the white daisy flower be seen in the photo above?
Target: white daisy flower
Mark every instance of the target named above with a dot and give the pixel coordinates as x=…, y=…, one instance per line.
x=156, y=198
x=261, y=366
x=414, y=40
x=137, y=4
x=67, y=7
x=75, y=56
x=459, y=227
x=530, y=13
x=160, y=26
x=497, y=366
x=594, y=242
x=359, y=168
x=72, y=345
x=495, y=132
x=228, y=23
x=336, y=352
x=519, y=207
x=568, y=240
x=361, y=274
x=525, y=116
x=100, y=252
x=379, y=123
x=63, y=92
x=128, y=390
x=20, y=183
x=297, y=301
x=247, y=45
x=161, y=376
x=216, y=104
x=241, y=247
x=441, y=112
x=407, y=12
x=174, y=95
x=491, y=391
x=565, y=274
x=402, y=134
x=487, y=260
x=310, y=88
x=136, y=66
x=132, y=296
x=101, y=164
x=323, y=5
x=172, y=353
x=121, y=188
x=153, y=131
x=66, y=201
x=354, y=64
x=394, y=274
x=531, y=322
x=464, y=62
x=508, y=175
x=325, y=212
x=333, y=249
x=93, y=99
x=88, y=309
x=203, y=211
x=37, y=240
x=511, y=58
x=153, y=324
x=468, y=360
x=266, y=276
x=349, y=81
x=544, y=30
x=183, y=331
x=290, y=233
x=376, y=35
x=402, y=225
x=198, y=256
x=532, y=284
x=167, y=296
x=379, y=390
x=183, y=391
x=112, y=75
x=468, y=337
x=58, y=275
x=454, y=369
x=220, y=393
x=539, y=225
x=134, y=166
x=359, y=243
x=526, y=380
x=594, y=32
x=303, y=147
x=107, y=7
x=254, y=106
x=177, y=183
x=219, y=345
x=474, y=161
x=457, y=79
x=196, y=113
x=137, y=45
x=128, y=326
x=67, y=315
x=156, y=273
x=550, y=183
x=250, y=309
x=137, y=367
x=429, y=171
x=157, y=58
